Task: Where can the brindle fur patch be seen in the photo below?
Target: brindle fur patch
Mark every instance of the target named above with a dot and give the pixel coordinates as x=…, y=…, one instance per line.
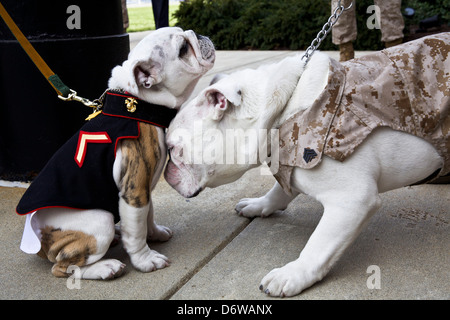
x=66, y=248
x=140, y=159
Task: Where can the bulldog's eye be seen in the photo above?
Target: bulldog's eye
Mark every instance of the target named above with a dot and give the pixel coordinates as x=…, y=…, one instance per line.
x=183, y=49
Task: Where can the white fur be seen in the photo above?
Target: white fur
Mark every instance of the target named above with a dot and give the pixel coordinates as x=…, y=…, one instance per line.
x=169, y=80
x=156, y=73
x=348, y=190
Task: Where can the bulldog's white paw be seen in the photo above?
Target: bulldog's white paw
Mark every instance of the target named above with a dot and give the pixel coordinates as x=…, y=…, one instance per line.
x=254, y=207
x=287, y=281
x=103, y=269
x=159, y=233
x=148, y=260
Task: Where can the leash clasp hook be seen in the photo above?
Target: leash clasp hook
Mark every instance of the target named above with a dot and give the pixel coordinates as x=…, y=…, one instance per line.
x=73, y=97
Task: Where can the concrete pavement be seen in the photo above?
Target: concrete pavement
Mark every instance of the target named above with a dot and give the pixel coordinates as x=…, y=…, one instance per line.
x=217, y=254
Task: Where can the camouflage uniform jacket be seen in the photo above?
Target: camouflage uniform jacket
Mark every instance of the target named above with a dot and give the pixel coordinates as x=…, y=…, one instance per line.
x=405, y=88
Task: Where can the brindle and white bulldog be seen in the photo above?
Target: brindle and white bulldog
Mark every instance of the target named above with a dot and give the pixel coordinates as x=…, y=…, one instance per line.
x=345, y=133
x=106, y=172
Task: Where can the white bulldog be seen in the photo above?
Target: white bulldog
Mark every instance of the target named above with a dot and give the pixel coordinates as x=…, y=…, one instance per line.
x=161, y=71
x=203, y=142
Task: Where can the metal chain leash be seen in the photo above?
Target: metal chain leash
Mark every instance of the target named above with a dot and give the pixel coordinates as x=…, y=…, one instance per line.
x=325, y=30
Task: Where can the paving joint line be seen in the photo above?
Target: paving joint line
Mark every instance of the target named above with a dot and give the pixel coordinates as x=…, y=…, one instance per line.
x=202, y=263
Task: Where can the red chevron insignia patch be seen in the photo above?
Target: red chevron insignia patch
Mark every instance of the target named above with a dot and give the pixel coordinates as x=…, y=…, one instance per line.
x=88, y=137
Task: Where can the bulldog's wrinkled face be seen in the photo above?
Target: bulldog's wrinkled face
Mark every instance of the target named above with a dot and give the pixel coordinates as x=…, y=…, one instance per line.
x=197, y=141
x=165, y=66
x=226, y=129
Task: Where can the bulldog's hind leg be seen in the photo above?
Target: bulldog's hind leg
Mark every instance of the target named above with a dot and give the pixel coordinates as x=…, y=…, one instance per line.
x=78, y=238
x=274, y=200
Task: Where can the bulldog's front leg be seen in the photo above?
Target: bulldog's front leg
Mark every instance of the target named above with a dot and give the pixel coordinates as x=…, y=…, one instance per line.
x=156, y=232
x=135, y=168
x=134, y=237
x=343, y=219
x=274, y=200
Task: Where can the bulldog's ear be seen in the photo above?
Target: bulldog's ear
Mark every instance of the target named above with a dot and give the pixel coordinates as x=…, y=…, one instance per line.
x=147, y=74
x=221, y=99
x=219, y=102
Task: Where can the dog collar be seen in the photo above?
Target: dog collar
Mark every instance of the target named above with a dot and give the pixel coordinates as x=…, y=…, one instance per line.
x=125, y=105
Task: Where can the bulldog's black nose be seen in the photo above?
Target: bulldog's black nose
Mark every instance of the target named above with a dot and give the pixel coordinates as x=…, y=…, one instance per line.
x=196, y=193
x=199, y=36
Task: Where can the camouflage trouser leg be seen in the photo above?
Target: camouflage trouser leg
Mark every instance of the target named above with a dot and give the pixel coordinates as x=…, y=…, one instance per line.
x=391, y=21
x=126, y=23
x=345, y=28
